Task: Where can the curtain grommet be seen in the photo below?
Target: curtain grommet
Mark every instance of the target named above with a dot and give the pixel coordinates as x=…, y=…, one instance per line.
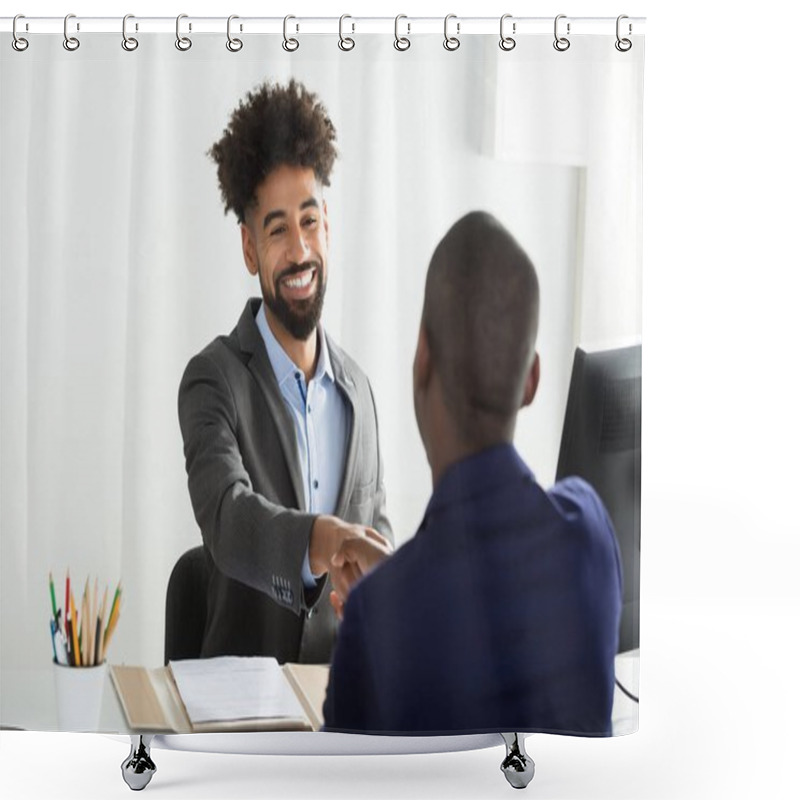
x=507, y=43
x=346, y=43
x=19, y=43
x=233, y=44
x=183, y=43
x=289, y=44
x=129, y=43
x=451, y=43
x=561, y=43
x=71, y=43
x=401, y=43
x=623, y=44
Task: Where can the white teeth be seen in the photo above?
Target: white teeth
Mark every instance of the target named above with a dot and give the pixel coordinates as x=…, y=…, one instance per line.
x=300, y=281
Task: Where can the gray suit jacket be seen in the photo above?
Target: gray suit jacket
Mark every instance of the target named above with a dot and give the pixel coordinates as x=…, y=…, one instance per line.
x=245, y=484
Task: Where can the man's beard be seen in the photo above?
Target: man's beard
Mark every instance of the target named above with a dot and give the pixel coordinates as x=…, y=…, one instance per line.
x=299, y=317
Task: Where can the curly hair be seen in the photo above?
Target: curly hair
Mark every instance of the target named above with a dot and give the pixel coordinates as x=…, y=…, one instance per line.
x=273, y=125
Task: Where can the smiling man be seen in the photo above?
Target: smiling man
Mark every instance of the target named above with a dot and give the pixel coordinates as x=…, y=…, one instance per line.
x=279, y=424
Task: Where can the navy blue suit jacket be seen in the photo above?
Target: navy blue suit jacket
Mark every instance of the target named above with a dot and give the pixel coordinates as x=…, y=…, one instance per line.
x=501, y=614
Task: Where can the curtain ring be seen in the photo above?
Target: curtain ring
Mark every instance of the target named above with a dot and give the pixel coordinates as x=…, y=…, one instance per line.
x=289, y=45
x=401, y=42
x=183, y=43
x=451, y=42
x=507, y=42
x=129, y=43
x=18, y=42
x=234, y=45
x=623, y=45
x=346, y=42
x=70, y=42
x=561, y=43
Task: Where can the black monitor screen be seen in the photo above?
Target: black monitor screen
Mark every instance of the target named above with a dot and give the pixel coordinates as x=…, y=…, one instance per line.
x=601, y=443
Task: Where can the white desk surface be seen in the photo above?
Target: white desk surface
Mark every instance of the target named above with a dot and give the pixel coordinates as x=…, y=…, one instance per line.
x=28, y=702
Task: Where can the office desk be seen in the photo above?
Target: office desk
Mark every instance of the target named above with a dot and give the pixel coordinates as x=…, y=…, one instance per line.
x=625, y=714
x=28, y=702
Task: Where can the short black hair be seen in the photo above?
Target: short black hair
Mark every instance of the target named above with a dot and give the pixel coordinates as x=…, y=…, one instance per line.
x=481, y=316
x=273, y=125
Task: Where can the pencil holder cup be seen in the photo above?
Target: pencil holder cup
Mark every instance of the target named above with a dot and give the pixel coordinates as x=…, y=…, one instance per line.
x=79, y=696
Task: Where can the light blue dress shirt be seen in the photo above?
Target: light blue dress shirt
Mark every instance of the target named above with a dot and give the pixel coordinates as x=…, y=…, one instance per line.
x=321, y=423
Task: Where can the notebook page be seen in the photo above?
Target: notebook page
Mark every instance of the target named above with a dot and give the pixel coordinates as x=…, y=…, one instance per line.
x=230, y=688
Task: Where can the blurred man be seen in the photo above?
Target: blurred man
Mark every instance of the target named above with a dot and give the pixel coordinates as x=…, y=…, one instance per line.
x=502, y=613
x=279, y=424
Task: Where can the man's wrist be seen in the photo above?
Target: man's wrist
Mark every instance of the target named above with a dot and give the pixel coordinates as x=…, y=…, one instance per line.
x=307, y=575
x=319, y=547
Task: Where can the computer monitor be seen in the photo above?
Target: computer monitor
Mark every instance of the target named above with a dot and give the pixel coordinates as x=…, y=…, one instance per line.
x=602, y=443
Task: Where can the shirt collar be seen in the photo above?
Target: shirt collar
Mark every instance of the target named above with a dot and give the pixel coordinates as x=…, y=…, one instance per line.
x=324, y=361
x=283, y=366
x=481, y=473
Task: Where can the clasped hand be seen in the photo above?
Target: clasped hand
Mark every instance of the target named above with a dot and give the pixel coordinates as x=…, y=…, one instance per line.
x=347, y=552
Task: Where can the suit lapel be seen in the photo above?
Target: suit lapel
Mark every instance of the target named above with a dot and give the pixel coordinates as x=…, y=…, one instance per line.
x=346, y=385
x=259, y=365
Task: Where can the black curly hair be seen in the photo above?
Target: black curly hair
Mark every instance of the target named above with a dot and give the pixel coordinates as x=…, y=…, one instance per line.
x=273, y=125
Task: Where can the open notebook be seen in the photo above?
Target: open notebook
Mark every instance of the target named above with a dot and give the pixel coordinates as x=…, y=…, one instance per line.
x=228, y=693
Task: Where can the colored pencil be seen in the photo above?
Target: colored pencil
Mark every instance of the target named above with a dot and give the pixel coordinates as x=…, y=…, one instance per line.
x=98, y=631
x=76, y=627
x=114, y=604
x=66, y=598
x=112, y=623
x=93, y=625
x=53, y=630
x=68, y=630
x=87, y=626
x=53, y=599
x=87, y=630
x=76, y=649
x=74, y=608
x=84, y=631
x=101, y=646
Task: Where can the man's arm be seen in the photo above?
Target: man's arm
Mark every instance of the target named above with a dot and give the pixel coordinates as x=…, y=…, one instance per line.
x=251, y=539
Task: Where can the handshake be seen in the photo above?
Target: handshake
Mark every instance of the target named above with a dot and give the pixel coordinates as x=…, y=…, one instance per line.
x=346, y=552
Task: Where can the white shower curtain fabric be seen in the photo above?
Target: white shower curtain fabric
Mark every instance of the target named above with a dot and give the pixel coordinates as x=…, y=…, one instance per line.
x=118, y=264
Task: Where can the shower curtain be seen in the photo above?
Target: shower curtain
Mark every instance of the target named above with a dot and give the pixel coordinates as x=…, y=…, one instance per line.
x=117, y=265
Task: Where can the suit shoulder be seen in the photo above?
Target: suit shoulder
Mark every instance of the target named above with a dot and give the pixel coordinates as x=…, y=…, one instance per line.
x=573, y=489
x=222, y=352
x=579, y=503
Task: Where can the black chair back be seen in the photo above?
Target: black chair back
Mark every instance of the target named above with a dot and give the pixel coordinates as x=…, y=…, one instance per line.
x=186, y=606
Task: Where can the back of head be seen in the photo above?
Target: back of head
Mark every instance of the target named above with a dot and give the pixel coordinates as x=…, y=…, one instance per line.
x=481, y=316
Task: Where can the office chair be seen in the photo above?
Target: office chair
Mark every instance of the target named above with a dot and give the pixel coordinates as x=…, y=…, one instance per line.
x=186, y=606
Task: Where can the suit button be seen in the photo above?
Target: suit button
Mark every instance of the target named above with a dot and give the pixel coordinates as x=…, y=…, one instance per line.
x=311, y=612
